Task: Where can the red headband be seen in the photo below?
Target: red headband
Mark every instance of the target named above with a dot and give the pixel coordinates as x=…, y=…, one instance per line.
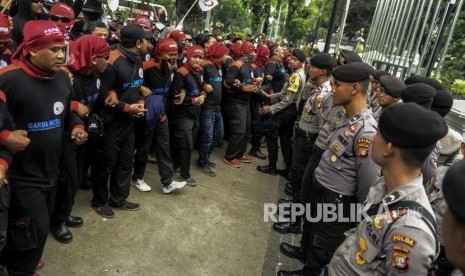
x=217, y=50
x=143, y=20
x=61, y=9
x=38, y=35
x=193, y=51
x=83, y=49
x=247, y=48
x=164, y=46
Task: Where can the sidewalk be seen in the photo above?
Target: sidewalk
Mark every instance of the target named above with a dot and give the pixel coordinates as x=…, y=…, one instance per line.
x=215, y=228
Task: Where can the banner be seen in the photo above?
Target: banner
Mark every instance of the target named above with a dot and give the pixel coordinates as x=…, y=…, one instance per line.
x=206, y=5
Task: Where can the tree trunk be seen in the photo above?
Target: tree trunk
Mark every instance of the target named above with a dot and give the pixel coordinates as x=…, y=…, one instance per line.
x=291, y=9
x=192, y=20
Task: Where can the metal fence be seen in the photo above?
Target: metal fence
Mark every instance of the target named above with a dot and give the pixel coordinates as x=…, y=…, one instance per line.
x=411, y=36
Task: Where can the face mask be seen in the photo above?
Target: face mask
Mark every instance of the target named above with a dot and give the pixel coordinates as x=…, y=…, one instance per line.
x=249, y=59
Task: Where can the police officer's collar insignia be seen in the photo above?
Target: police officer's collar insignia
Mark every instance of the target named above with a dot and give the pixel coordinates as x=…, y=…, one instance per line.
x=392, y=197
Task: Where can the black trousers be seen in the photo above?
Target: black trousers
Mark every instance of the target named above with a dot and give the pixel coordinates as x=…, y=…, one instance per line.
x=325, y=237
x=28, y=226
x=184, y=138
x=281, y=127
x=114, y=161
x=239, y=125
x=143, y=140
x=301, y=152
x=255, y=123
x=69, y=178
x=161, y=137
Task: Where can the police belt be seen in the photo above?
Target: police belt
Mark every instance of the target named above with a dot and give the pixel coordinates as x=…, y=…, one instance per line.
x=331, y=194
x=302, y=133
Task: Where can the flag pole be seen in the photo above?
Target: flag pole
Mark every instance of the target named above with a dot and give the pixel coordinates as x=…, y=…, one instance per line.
x=182, y=20
x=207, y=21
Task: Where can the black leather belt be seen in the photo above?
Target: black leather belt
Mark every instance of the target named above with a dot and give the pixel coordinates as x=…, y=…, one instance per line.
x=306, y=134
x=325, y=191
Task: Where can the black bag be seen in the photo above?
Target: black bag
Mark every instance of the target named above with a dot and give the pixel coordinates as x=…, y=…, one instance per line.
x=4, y=197
x=95, y=126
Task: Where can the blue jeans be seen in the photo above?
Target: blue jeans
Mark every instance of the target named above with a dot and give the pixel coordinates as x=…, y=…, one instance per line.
x=210, y=133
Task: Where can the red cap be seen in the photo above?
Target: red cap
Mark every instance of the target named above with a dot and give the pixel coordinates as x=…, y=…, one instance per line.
x=236, y=48
x=178, y=36
x=143, y=20
x=61, y=9
x=164, y=46
x=217, y=50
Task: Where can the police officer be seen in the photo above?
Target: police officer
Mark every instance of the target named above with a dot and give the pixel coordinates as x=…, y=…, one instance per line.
x=347, y=56
x=284, y=115
x=307, y=128
x=388, y=94
x=454, y=220
x=397, y=234
x=346, y=171
x=423, y=94
x=372, y=99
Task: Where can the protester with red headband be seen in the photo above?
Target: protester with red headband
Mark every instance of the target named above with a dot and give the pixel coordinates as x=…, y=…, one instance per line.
x=153, y=129
x=88, y=59
x=239, y=81
x=63, y=16
x=211, y=121
x=257, y=101
x=186, y=115
x=146, y=25
x=5, y=40
x=181, y=40
x=44, y=114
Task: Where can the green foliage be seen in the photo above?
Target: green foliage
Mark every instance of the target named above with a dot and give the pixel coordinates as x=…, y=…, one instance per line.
x=230, y=15
x=458, y=87
x=454, y=64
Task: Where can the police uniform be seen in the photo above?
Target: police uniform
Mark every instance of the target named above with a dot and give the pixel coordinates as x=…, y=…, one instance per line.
x=393, y=87
x=397, y=235
x=284, y=115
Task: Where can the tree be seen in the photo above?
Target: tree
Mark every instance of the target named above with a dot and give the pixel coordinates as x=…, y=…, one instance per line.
x=194, y=18
x=454, y=65
x=232, y=16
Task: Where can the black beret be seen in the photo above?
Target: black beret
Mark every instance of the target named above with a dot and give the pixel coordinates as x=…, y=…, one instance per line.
x=409, y=125
x=392, y=85
x=352, y=72
x=453, y=188
x=429, y=81
x=378, y=73
x=442, y=102
x=419, y=93
x=323, y=61
x=346, y=56
x=299, y=54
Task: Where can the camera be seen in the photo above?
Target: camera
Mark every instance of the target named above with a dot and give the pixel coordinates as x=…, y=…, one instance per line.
x=95, y=126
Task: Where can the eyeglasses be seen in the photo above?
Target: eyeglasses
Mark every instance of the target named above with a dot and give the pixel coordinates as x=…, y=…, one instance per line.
x=62, y=19
x=37, y=1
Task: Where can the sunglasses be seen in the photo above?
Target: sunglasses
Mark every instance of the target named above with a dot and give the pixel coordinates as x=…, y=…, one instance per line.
x=37, y=1
x=62, y=19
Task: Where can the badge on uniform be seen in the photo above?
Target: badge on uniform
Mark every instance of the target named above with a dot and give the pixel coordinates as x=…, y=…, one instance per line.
x=347, y=133
x=363, y=147
x=353, y=127
x=336, y=147
x=378, y=222
x=333, y=158
x=362, y=245
x=319, y=101
x=400, y=261
x=403, y=239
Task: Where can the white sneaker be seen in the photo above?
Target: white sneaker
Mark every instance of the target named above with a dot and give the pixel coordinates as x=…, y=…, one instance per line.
x=141, y=185
x=174, y=185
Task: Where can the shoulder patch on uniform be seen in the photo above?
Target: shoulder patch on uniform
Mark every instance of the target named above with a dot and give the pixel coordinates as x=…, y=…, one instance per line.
x=403, y=239
x=363, y=145
x=400, y=261
x=294, y=83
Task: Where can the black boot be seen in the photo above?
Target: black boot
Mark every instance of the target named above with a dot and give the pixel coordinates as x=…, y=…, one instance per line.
x=74, y=222
x=61, y=233
x=269, y=169
x=291, y=273
x=287, y=227
x=295, y=252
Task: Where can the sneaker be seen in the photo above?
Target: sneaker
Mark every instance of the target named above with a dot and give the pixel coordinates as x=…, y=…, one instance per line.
x=244, y=159
x=177, y=172
x=128, y=206
x=141, y=185
x=174, y=185
x=105, y=211
x=233, y=163
x=211, y=164
x=206, y=170
x=190, y=181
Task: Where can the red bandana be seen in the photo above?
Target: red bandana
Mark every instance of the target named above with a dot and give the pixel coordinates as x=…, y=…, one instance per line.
x=84, y=49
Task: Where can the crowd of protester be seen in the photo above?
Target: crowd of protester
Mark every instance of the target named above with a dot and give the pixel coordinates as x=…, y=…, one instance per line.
x=86, y=104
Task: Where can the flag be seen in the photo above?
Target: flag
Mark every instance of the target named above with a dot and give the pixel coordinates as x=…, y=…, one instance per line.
x=206, y=5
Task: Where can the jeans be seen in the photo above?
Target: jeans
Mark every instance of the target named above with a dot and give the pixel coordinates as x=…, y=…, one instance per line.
x=211, y=132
